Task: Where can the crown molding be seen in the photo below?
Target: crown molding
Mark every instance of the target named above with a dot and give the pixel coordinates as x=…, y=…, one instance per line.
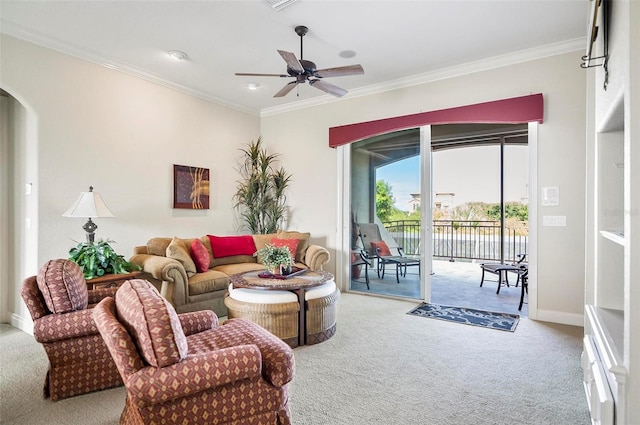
x=486, y=64
x=43, y=40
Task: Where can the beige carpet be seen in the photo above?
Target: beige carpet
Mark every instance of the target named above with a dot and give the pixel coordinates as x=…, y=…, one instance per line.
x=383, y=366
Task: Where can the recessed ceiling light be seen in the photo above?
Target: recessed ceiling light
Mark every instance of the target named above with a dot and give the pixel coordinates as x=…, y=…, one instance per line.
x=280, y=4
x=253, y=86
x=347, y=54
x=178, y=55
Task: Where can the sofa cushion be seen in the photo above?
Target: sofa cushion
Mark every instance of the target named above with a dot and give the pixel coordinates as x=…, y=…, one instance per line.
x=262, y=297
x=303, y=242
x=261, y=241
x=207, y=282
x=179, y=250
x=63, y=286
x=321, y=291
x=228, y=246
x=292, y=244
x=153, y=323
x=230, y=269
x=158, y=246
x=199, y=255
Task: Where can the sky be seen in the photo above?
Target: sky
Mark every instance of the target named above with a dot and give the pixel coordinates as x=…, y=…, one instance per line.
x=472, y=174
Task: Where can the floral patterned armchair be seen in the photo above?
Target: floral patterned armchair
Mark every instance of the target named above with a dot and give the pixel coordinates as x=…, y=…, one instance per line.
x=61, y=308
x=185, y=369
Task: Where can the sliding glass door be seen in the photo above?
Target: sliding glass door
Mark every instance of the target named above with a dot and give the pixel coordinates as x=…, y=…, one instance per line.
x=390, y=213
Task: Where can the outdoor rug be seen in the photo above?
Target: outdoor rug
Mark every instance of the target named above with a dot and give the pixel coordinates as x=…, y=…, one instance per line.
x=468, y=316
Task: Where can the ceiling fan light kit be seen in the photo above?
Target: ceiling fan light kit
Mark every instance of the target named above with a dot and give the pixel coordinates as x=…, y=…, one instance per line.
x=305, y=70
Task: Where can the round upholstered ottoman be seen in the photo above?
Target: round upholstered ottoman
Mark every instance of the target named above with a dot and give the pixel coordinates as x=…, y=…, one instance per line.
x=276, y=311
x=321, y=312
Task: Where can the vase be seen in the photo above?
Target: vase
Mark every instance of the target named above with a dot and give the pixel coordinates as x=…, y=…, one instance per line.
x=274, y=270
x=285, y=269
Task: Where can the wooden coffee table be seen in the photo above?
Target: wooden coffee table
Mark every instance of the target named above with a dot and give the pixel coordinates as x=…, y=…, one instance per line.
x=297, y=284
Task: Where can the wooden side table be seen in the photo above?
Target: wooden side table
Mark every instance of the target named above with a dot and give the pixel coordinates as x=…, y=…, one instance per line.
x=111, y=280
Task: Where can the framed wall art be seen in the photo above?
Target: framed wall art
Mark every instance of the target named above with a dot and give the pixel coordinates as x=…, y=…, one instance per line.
x=190, y=187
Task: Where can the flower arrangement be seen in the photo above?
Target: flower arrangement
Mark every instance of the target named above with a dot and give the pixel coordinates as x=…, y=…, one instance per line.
x=273, y=257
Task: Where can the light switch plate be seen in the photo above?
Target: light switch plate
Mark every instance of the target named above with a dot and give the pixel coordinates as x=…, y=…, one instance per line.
x=554, y=220
x=550, y=196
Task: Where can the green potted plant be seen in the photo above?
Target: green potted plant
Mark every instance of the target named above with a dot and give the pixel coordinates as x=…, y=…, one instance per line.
x=260, y=195
x=98, y=258
x=277, y=259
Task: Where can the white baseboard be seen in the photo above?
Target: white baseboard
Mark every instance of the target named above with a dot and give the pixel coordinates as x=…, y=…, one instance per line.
x=561, y=317
x=25, y=325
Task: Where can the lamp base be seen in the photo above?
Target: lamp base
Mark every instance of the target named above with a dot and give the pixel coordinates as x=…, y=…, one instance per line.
x=90, y=227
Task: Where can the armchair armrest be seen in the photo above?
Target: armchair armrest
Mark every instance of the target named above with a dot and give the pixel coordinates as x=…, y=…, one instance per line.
x=198, y=321
x=152, y=385
x=316, y=256
x=278, y=360
x=97, y=295
x=56, y=327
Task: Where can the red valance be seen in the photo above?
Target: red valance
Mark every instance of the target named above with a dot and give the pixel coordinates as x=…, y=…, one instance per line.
x=516, y=110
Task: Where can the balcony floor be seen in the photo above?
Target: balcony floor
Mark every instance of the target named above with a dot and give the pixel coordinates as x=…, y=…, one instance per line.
x=453, y=283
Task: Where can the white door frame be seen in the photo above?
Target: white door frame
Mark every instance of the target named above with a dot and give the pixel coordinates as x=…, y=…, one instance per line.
x=426, y=214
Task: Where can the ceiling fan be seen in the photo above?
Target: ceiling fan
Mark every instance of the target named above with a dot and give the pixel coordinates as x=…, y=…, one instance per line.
x=304, y=70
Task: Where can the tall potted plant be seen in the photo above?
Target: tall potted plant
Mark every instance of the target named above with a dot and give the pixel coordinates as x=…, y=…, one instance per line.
x=260, y=194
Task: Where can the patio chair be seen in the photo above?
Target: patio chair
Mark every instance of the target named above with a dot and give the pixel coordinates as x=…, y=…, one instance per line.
x=375, y=248
x=502, y=270
x=361, y=259
x=523, y=276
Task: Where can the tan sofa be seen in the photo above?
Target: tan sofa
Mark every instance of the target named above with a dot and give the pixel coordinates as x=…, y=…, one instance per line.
x=168, y=265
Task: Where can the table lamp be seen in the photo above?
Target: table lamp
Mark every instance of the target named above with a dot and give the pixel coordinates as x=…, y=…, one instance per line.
x=89, y=204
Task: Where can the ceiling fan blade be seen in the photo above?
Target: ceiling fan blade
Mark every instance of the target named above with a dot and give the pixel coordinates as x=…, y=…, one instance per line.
x=251, y=74
x=328, y=88
x=286, y=89
x=339, y=71
x=292, y=61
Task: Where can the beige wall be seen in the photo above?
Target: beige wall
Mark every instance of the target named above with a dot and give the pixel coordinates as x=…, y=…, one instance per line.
x=97, y=126
x=121, y=134
x=561, y=159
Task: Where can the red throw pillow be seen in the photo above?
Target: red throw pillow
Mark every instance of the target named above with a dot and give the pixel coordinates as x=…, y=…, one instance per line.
x=381, y=248
x=199, y=255
x=292, y=244
x=226, y=246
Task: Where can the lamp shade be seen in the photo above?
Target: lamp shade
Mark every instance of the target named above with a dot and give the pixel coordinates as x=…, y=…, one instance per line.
x=89, y=204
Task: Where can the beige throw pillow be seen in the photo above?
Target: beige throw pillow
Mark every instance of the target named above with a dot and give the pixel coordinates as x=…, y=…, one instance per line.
x=178, y=250
x=303, y=243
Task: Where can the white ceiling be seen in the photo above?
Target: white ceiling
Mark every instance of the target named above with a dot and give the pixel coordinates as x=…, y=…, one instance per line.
x=399, y=43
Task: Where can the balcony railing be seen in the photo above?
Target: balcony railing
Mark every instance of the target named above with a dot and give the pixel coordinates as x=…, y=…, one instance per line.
x=462, y=239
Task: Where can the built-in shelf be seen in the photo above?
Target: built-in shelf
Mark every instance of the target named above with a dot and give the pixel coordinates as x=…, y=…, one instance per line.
x=617, y=237
x=607, y=330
